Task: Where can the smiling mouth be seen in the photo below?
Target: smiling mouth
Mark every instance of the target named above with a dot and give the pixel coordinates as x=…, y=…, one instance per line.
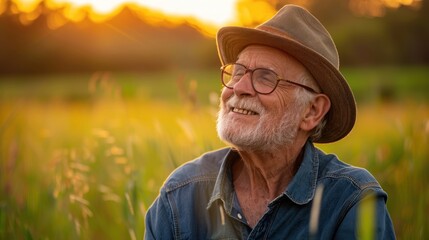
x=243, y=111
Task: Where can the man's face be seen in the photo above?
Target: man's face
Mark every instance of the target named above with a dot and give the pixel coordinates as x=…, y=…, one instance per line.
x=249, y=120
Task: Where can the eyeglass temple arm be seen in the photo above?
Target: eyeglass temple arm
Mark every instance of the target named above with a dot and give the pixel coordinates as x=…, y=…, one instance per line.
x=301, y=85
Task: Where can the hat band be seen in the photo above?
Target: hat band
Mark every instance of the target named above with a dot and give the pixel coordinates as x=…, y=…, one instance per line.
x=275, y=31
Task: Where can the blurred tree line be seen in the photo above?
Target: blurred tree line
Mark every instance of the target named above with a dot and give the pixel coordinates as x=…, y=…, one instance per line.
x=126, y=43
x=123, y=43
x=398, y=37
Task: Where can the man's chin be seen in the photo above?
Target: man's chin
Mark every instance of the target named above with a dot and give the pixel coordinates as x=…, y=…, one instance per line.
x=240, y=137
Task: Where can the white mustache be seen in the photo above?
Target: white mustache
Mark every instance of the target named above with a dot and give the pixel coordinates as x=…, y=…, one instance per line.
x=250, y=104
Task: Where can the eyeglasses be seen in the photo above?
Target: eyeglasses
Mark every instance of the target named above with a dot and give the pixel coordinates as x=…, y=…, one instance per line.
x=264, y=81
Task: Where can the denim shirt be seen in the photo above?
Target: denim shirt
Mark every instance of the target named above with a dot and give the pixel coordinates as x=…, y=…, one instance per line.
x=198, y=201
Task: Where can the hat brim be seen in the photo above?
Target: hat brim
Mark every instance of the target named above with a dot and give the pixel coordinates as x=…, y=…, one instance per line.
x=342, y=114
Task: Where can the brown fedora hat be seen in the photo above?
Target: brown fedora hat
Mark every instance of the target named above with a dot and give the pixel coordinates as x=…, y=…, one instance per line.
x=297, y=32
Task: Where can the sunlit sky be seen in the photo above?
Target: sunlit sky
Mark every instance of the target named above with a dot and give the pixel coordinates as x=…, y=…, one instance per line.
x=216, y=12
x=207, y=15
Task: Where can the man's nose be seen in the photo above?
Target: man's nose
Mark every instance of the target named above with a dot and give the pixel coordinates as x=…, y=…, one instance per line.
x=244, y=86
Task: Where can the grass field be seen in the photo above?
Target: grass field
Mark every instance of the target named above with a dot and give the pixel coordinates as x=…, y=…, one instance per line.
x=83, y=156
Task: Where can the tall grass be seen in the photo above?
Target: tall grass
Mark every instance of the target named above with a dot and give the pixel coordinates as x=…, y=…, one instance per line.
x=84, y=158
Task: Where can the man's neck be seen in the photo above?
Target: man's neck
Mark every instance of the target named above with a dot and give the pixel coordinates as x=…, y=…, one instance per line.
x=267, y=172
x=260, y=177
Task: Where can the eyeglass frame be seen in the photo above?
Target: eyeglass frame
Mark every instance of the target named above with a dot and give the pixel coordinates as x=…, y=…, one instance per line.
x=247, y=70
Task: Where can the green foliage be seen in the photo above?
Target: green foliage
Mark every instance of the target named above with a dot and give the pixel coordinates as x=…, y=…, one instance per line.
x=389, y=83
x=84, y=159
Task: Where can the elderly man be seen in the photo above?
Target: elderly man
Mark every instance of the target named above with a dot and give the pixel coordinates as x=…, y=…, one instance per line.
x=283, y=91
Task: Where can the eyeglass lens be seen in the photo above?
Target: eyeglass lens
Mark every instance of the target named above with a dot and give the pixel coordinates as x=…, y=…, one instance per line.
x=263, y=80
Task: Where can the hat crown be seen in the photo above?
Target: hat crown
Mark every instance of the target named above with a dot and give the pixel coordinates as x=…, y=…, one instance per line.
x=297, y=24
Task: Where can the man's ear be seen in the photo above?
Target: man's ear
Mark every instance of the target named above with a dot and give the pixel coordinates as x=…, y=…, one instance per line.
x=315, y=112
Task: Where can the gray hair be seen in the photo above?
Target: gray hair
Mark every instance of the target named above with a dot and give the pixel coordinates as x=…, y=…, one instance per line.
x=305, y=97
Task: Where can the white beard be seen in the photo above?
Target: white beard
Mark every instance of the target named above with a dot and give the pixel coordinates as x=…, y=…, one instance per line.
x=272, y=131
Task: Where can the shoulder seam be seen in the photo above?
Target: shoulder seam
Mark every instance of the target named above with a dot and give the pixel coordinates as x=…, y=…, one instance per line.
x=169, y=187
x=363, y=185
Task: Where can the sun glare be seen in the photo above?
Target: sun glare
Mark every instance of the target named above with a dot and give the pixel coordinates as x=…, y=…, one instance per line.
x=101, y=7
x=215, y=13
x=207, y=15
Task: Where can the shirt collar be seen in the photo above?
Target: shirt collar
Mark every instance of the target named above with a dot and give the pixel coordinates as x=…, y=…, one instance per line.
x=224, y=189
x=300, y=190
x=303, y=185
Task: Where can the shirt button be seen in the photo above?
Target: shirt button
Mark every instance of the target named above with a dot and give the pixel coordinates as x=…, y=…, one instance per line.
x=239, y=216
